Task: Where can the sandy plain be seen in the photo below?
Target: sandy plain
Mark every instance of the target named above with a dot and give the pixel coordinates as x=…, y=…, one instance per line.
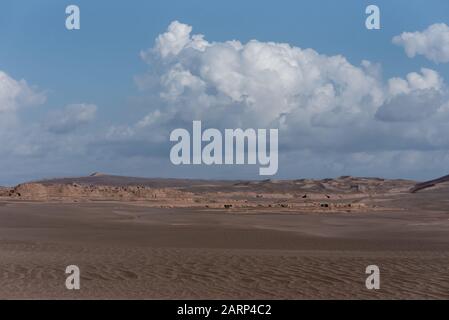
x=286, y=247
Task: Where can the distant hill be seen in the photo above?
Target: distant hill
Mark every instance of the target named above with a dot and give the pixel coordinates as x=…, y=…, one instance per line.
x=428, y=184
x=345, y=193
x=97, y=179
x=344, y=184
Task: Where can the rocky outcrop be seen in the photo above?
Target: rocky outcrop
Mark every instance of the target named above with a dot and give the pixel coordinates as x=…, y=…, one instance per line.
x=303, y=195
x=38, y=191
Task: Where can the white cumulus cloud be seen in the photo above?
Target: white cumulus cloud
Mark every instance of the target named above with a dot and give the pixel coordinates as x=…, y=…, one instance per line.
x=433, y=43
x=15, y=94
x=317, y=101
x=254, y=84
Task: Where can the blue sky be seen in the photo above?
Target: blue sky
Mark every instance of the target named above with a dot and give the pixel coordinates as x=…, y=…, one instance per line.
x=98, y=65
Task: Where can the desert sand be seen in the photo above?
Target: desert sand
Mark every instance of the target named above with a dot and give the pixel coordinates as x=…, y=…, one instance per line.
x=193, y=239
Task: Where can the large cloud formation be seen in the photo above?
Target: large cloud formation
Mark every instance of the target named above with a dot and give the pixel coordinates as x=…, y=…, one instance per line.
x=255, y=84
x=320, y=103
x=433, y=43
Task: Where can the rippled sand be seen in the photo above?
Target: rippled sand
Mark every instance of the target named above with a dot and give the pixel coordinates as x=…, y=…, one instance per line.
x=125, y=251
